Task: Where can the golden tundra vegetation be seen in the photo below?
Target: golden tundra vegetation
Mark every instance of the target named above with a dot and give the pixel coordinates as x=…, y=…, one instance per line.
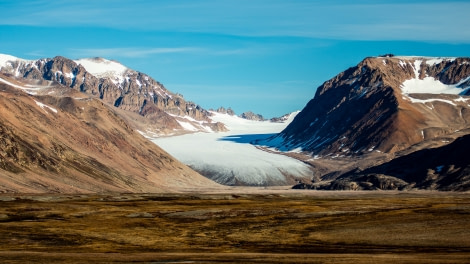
x=276, y=227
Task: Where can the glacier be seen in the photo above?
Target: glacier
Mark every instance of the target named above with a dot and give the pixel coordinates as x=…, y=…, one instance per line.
x=229, y=158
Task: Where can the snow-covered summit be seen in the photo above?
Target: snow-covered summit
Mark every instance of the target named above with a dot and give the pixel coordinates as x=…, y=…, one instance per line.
x=12, y=62
x=103, y=68
x=5, y=58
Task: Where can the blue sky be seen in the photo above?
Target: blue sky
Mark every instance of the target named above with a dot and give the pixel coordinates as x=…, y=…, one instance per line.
x=267, y=56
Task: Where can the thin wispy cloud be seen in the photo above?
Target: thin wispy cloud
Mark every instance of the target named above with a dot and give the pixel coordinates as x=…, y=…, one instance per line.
x=142, y=52
x=370, y=20
x=134, y=52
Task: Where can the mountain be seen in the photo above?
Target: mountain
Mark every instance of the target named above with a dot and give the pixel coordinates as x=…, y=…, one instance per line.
x=73, y=143
x=387, y=123
x=135, y=92
x=384, y=104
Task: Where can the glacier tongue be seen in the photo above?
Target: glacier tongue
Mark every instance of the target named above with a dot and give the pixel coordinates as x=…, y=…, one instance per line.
x=228, y=157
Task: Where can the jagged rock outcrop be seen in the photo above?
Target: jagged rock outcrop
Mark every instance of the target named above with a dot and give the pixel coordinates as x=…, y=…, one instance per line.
x=79, y=145
x=252, y=116
x=283, y=118
x=222, y=110
x=384, y=104
x=114, y=84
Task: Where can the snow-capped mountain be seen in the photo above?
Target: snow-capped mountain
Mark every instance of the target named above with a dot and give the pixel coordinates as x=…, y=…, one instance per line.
x=384, y=104
x=117, y=85
x=377, y=126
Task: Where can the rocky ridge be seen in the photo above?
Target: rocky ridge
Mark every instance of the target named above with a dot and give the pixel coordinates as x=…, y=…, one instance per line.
x=249, y=115
x=119, y=86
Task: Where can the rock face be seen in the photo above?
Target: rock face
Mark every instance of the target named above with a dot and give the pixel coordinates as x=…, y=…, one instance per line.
x=283, y=118
x=252, y=116
x=78, y=145
x=384, y=104
x=222, y=110
x=116, y=85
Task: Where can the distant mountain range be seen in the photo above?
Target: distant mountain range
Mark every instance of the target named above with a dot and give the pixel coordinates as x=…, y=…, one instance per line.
x=386, y=108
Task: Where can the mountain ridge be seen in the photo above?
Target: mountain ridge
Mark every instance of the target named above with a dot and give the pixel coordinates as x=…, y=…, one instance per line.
x=119, y=86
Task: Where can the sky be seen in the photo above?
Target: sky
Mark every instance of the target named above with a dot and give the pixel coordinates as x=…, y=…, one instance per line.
x=265, y=56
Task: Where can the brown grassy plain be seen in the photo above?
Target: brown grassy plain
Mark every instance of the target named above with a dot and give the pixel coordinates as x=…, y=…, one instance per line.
x=272, y=227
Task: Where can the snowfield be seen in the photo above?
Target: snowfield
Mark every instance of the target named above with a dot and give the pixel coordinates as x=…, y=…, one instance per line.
x=229, y=158
x=430, y=84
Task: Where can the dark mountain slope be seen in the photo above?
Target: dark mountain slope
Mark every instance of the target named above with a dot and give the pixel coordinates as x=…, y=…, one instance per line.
x=444, y=168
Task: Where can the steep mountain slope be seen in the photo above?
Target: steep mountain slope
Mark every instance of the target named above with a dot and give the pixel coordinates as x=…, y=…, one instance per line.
x=119, y=86
x=385, y=104
x=75, y=143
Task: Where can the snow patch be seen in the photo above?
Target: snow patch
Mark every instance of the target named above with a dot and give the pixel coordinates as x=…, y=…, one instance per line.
x=29, y=89
x=434, y=61
x=417, y=67
x=421, y=101
x=103, y=68
x=402, y=64
x=6, y=59
x=430, y=84
x=43, y=106
x=187, y=126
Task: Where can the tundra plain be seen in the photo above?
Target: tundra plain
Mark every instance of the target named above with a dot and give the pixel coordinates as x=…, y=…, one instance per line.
x=251, y=226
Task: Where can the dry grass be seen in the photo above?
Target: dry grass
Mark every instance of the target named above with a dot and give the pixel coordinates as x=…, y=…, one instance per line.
x=251, y=228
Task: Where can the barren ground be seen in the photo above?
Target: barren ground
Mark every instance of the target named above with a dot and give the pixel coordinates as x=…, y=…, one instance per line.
x=251, y=226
